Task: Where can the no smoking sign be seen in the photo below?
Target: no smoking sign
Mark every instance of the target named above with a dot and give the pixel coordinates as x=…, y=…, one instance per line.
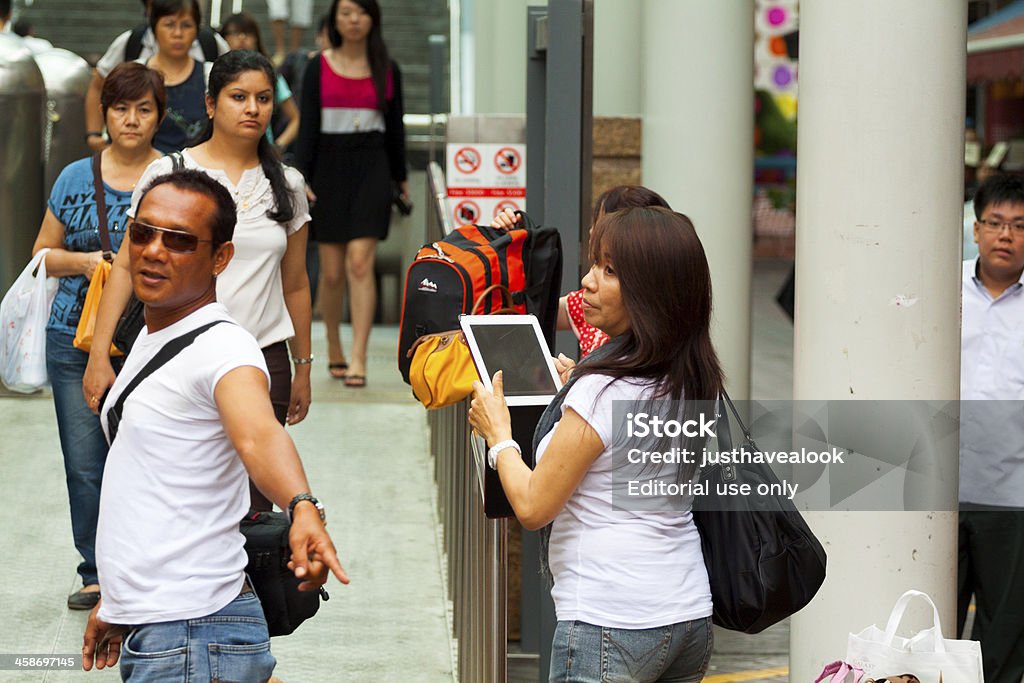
x=467, y=160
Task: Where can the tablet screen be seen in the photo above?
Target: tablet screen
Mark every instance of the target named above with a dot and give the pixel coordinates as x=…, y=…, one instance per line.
x=516, y=351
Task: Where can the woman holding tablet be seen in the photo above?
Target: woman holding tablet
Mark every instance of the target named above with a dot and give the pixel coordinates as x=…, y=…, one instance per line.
x=630, y=588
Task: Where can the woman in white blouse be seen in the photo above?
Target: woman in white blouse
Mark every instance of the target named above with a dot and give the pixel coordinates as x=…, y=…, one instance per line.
x=265, y=288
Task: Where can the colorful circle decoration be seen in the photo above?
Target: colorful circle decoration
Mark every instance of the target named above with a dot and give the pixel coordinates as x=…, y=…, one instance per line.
x=777, y=45
x=776, y=16
x=782, y=76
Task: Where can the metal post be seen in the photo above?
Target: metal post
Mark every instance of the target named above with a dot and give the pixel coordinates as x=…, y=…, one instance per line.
x=437, y=45
x=880, y=175
x=559, y=88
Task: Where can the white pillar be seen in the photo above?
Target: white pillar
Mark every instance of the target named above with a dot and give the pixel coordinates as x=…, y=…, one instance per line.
x=493, y=57
x=698, y=112
x=617, y=30
x=877, y=306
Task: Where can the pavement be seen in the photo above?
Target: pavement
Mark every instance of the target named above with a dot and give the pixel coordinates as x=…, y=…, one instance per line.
x=365, y=453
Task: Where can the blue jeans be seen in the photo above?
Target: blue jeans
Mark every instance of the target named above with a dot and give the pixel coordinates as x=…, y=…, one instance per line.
x=231, y=644
x=81, y=440
x=584, y=653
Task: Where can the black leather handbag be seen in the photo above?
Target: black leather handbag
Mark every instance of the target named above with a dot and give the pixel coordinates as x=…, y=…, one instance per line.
x=128, y=327
x=763, y=561
x=266, y=545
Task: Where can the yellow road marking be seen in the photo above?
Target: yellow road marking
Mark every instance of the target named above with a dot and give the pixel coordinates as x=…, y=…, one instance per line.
x=738, y=676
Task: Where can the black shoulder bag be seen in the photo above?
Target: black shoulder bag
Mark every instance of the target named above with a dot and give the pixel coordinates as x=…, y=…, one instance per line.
x=763, y=561
x=266, y=533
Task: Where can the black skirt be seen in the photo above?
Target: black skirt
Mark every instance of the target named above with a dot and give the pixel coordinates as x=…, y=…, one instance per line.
x=352, y=184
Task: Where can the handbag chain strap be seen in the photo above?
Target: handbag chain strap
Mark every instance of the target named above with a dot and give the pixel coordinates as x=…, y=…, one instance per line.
x=101, y=208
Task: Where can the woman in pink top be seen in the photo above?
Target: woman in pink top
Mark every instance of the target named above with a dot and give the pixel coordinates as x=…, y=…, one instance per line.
x=351, y=148
x=570, y=306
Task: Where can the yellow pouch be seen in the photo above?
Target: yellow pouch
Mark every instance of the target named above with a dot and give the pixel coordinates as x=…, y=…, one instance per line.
x=87, y=323
x=442, y=371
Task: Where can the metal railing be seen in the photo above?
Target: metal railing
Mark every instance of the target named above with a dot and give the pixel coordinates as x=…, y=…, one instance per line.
x=476, y=548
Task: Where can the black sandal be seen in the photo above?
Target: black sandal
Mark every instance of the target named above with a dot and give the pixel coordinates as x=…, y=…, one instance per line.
x=355, y=381
x=342, y=367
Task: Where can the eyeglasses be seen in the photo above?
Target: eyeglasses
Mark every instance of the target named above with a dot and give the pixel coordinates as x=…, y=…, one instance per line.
x=237, y=34
x=174, y=240
x=992, y=225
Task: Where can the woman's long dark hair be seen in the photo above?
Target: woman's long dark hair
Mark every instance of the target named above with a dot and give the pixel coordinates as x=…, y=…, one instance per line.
x=225, y=71
x=665, y=284
x=376, y=50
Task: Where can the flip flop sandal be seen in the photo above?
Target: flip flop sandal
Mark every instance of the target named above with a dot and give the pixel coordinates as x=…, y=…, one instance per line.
x=355, y=381
x=337, y=370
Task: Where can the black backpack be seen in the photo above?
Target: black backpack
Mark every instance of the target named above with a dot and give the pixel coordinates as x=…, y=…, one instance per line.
x=447, y=276
x=206, y=37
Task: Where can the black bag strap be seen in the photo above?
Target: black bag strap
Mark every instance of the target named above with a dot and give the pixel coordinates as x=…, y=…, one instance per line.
x=722, y=430
x=169, y=351
x=208, y=43
x=101, y=208
x=177, y=161
x=743, y=428
x=525, y=221
x=133, y=48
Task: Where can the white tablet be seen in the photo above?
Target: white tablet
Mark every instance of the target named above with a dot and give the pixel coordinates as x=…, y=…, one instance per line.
x=515, y=345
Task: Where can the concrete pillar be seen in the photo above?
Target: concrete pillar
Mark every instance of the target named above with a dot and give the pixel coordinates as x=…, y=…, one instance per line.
x=698, y=109
x=877, y=305
x=493, y=71
x=617, y=29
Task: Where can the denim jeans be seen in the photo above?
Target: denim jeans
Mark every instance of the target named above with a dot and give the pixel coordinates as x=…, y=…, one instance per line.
x=81, y=440
x=584, y=653
x=231, y=644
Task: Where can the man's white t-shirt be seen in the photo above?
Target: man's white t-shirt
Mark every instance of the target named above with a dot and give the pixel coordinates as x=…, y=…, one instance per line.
x=250, y=287
x=115, y=53
x=616, y=568
x=174, y=489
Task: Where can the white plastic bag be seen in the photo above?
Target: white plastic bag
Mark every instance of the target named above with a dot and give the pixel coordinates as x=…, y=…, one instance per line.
x=24, y=313
x=927, y=655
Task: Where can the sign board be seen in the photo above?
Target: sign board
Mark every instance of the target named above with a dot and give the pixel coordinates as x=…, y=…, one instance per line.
x=483, y=179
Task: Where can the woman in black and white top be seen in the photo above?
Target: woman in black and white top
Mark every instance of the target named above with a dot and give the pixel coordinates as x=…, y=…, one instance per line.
x=351, y=148
x=630, y=587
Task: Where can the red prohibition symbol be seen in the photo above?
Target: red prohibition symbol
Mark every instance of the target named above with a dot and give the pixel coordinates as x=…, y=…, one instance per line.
x=507, y=160
x=467, y=212
x=467, y=160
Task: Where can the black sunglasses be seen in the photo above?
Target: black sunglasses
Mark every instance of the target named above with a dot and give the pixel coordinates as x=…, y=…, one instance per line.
x=174, y=240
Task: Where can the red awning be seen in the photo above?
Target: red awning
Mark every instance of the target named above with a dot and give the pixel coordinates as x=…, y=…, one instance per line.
x=996, y=52
x=996, y=65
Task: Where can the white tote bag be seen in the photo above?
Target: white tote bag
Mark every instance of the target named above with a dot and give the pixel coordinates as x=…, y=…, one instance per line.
x=926, y=655
x=24, y=313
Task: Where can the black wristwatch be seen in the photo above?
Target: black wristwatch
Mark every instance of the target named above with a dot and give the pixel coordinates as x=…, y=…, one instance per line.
x=307, y=496
x=93, y=134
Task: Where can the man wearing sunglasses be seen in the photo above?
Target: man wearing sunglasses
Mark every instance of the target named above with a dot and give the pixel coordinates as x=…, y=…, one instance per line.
x=991, y=537
x=168, y=547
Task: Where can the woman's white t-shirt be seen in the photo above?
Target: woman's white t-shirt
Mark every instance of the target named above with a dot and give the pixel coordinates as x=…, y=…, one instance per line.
x=250, y=287
x=618, y=568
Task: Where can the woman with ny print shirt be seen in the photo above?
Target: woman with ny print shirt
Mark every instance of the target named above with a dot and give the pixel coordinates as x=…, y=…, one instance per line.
x=133, y=102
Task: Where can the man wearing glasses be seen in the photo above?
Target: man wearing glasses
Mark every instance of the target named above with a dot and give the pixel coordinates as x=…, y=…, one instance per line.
x=176, y=602
x=991, y=563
